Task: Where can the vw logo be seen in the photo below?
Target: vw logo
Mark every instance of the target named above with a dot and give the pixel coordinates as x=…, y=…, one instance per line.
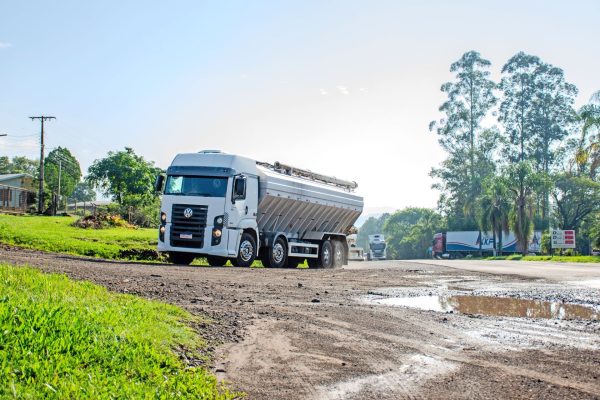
x=188, y=212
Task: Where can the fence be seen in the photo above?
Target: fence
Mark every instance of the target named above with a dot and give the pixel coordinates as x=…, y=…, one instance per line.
x=16, y=200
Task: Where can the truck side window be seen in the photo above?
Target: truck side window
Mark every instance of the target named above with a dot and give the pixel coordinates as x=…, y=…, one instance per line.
x=239, y=188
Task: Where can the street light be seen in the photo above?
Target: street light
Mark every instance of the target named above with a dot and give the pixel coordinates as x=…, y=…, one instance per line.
x=3, y=134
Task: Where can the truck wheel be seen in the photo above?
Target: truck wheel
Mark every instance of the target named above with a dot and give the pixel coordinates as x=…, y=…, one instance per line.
x=181, y=258
x=216, y=261
x=325, y=259
x=337, y=253
x=246, y=251
x=276, y=255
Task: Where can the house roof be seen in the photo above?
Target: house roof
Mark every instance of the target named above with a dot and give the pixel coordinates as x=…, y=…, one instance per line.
x=7, y=177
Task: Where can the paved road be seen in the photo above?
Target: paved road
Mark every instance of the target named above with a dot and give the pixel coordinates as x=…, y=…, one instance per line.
x=586, y=274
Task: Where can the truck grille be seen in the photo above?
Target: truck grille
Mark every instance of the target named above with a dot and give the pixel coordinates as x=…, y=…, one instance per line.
x=188, y=231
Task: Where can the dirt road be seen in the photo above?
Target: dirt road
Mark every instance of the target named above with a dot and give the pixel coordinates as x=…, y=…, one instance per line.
x=331, y=334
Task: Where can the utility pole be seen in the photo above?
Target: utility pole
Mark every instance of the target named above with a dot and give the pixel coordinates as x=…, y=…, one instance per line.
x=42, y=118
x=59, y=174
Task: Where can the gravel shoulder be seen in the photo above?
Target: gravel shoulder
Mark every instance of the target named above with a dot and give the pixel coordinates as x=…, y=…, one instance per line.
x=311, y=334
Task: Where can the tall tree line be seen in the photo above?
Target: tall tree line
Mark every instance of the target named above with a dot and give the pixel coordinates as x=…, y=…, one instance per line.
x=519, y=155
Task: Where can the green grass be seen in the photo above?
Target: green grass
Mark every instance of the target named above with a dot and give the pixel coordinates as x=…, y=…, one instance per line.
x=57, y=235
x=62, y=339
x=576, y=259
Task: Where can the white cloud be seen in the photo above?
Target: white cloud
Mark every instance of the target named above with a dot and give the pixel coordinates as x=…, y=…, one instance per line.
x=4, y=45
x=343, y=90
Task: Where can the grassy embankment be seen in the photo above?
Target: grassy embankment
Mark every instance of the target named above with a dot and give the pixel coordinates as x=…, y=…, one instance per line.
x=66, y=339
x=57, y=234
x=575, y=259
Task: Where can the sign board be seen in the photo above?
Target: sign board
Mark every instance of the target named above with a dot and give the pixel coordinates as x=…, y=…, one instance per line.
x=562, y=239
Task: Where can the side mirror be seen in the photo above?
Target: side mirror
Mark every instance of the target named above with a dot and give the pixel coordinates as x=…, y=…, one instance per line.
x=239, y=188
x=158, y=184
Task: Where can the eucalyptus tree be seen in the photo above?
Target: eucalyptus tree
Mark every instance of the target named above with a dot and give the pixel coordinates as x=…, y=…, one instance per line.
x=470, y=98
x=537, y=113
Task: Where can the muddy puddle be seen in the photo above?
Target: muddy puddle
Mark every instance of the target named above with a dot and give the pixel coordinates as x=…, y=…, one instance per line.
x=493, y=306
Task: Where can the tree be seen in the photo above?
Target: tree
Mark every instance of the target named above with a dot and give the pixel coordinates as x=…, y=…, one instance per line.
x=576, y=197
x=460, y=186
x=554, y=115
x=23, y=165
x=588, y=151
x=522, y=184
x=461, y=134
x=517, y=111
x=124, y=176
x=493, y=209
x=61, y=168
x=409, y=232
x=537, y=112
x=5, y=165
x=83, y=192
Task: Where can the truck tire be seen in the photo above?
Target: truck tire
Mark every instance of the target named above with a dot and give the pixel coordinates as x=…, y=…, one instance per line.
x=337, y=254
x=276, y=254
x=181, y=258
x=216, y=261
x=246, y=252
x=325, y=259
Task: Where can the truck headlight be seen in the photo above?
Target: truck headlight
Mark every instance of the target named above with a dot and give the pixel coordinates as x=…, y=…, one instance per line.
x=219, y=220
x=162, y=229
x=217, y=233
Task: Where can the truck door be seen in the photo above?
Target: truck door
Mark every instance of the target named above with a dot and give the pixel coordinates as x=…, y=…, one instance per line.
x=244, y=200
x=243, y=207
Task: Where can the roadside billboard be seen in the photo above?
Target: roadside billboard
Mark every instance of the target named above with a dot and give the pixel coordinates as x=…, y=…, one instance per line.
x=562, y=239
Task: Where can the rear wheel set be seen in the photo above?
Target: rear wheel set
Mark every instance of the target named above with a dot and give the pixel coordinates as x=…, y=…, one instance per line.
x=331, y=255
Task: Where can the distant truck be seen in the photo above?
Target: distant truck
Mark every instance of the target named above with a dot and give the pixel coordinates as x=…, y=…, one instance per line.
x=228, y=207
x=458, y=244
x=377, y=248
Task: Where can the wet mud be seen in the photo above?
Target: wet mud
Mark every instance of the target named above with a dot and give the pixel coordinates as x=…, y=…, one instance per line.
x=310, y=334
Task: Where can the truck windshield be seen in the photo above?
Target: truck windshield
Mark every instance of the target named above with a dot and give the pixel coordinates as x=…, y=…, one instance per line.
x=196, y=186
x=377, y=246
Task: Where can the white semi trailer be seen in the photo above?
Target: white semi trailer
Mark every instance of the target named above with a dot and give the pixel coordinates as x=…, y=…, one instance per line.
x=228, y=207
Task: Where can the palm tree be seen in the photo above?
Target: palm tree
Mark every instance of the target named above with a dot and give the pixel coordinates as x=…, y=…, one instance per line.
x=588, y=153
x=493, y=209
x=522, y=184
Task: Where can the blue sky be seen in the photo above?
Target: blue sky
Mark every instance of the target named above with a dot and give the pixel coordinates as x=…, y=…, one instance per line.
x=340, y=87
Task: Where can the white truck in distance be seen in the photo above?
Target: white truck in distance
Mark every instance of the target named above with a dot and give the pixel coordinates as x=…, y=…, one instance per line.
x=377, y=248
x=228, y=207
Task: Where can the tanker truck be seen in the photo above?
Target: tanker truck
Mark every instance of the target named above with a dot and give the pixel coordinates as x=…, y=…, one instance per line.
x=229, y=207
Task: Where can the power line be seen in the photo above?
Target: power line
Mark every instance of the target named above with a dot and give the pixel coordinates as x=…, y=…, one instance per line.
x=42, y=119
